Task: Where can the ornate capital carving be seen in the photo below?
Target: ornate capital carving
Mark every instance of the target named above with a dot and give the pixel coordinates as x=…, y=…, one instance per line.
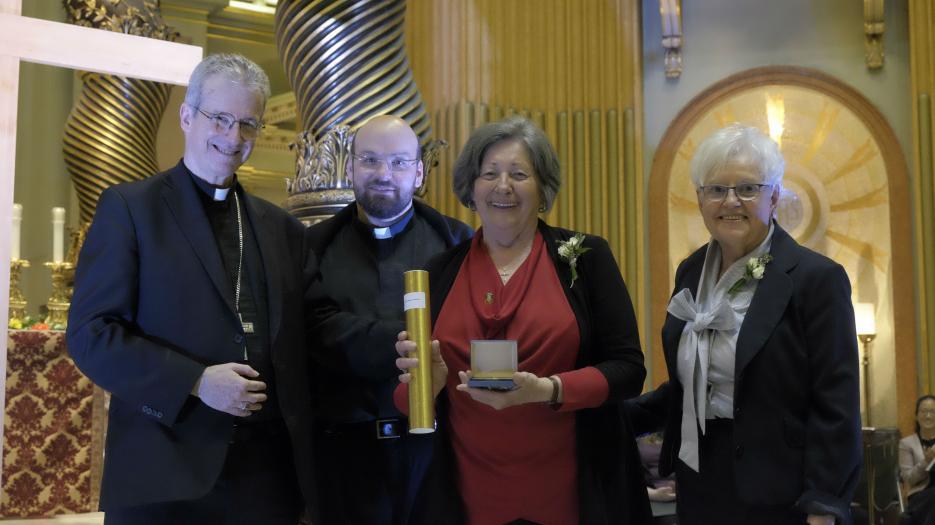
x=132, y=17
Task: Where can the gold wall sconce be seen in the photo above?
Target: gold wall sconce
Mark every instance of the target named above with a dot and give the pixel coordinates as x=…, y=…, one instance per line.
x=873, y=32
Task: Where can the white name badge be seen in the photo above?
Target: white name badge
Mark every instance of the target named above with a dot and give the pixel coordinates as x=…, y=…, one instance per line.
x=413, y=300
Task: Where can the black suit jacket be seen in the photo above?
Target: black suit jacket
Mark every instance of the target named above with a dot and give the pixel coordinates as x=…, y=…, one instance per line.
x=611, y=487
x=796, y=390
x=354, y=350
x=152, y=308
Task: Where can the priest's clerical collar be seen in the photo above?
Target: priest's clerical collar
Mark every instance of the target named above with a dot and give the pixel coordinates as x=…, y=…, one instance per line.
x=388, y=232
x=215, y=193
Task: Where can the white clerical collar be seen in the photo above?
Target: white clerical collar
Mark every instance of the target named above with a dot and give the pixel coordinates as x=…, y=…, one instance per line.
x=387, y=232
x=220, y=194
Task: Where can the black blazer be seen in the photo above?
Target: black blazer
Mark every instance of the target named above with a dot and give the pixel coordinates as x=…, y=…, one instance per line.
x=796, y=391
x=152, y=308
x=345, y=340
x=611, y=488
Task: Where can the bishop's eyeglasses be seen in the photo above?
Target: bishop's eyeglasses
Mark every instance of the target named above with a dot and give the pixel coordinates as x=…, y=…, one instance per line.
x=223, y=122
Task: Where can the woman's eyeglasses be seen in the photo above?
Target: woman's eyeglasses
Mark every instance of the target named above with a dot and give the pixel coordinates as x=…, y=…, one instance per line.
x=746, y=191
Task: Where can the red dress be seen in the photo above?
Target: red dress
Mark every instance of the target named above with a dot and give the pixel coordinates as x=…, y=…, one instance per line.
x=518, y=462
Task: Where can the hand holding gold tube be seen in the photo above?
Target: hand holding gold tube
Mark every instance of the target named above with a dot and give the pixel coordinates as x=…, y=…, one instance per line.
x=419, y=328
x=406, y=348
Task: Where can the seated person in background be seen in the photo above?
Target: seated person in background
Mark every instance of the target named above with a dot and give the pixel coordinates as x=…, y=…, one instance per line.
x=916, y=453
x=659, y=488
x=647, y=414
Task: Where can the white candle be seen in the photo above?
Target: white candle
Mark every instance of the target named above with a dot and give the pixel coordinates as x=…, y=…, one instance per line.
x=865, y=321
x=58, y=234
x=14, y=232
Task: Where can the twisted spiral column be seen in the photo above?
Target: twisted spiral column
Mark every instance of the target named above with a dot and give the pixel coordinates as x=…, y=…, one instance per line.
x=346, y=61
x=110, y=135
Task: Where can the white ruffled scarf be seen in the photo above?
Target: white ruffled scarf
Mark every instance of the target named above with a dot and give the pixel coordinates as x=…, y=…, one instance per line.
x=713, y=311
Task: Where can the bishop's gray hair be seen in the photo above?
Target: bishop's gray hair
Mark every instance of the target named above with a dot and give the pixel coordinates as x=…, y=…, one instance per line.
x=236, y=68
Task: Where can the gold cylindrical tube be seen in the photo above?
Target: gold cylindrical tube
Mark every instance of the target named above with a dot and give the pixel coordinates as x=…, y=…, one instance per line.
x=419, y=326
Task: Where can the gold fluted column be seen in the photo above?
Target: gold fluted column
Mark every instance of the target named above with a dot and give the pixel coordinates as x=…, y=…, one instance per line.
x=346, y=62
x=922, y=65
x=110, y=135
x=927, y=231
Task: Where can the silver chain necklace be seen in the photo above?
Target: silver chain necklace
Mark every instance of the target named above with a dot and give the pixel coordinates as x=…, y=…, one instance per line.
x=247, y=327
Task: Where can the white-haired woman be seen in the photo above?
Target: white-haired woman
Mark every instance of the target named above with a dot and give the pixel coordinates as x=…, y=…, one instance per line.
x=761, y=410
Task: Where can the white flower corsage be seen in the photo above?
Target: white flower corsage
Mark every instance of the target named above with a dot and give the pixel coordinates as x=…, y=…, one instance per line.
x=756, y=267
x=570, y=250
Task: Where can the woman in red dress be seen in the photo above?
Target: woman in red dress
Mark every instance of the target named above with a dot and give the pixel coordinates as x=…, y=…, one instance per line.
x=556, y=449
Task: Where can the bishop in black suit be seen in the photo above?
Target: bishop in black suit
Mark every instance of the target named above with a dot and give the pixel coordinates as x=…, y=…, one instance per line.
x=188, y=310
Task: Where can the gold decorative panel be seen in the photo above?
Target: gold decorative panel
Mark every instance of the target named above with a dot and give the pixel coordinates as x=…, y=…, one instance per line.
x=573, y=67
x=922, y=55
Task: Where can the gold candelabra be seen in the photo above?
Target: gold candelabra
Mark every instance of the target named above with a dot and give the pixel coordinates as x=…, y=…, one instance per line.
x=60, y=299
x=17, y=299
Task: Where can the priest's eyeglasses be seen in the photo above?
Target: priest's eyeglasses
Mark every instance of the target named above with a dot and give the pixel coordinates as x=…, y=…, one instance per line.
x=372, y=162
x=223, y=122
x=746, y=191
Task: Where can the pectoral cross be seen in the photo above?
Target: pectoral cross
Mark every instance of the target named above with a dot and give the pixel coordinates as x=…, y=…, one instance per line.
x=247, y=326
x=247, y=329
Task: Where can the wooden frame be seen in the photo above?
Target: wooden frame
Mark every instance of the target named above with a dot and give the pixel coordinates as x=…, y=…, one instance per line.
x=73, y=47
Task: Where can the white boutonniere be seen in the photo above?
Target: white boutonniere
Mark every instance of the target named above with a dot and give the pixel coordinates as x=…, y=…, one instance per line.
x=569, y=251
x=756, y=267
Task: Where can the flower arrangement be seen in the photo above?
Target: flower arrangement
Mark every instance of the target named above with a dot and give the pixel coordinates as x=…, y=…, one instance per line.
x=754, y=270
x=31, y=323
x=570, y=250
